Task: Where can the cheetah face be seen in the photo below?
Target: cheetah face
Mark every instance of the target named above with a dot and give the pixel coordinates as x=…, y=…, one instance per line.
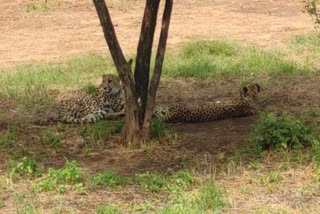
x=111, y=84
x=250, y=91
x=161, y=112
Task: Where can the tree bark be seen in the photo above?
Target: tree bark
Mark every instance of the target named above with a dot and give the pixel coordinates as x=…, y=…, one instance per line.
x=144, y=51
x=132, y=129
x=138, y=115
x=152, y=92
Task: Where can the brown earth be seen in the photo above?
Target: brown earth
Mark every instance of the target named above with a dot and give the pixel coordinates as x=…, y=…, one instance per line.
x=73, y=28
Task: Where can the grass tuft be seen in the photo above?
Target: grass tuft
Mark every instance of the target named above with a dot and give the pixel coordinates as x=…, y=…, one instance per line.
x=24, y=167
x=206, y=58
x=30, y=84
x=101, y=130
x=208, y=199
x=69, y=176
x=8, y=136
x=108, y=209
x=286, y=131
x=106, y=179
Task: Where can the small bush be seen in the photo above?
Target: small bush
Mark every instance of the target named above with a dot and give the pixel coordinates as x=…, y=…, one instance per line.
x=107, y=179
x=208, y=199
x=108, y=209
x=60, y=179
x=50, y=137
x=180, y=180
x=101, y=129
x=286, y=131
x=315, y=152
x=90, y=88
x=150, y=181
x=204, y=58
x=160, y=129
x=8, y=136
x=211, y=197
x=25, y=167
x=211, y=48
x=157, y=182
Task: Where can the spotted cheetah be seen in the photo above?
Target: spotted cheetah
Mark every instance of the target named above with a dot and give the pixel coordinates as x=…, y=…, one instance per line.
x=105, y=102
x=238, y=107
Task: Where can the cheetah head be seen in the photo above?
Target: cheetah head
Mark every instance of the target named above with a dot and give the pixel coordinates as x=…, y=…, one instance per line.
x=250, y=91
x=162, y=113
x=111, y=84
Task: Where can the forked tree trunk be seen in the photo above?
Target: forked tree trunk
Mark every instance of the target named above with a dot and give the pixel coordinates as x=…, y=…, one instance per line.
x=139, y=94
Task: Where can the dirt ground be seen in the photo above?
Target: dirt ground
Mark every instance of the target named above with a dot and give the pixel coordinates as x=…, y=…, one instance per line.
x=73, y=29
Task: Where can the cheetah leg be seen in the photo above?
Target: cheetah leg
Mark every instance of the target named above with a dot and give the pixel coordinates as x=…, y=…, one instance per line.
x=114, y=115
x=69, y=119
x=100, y=114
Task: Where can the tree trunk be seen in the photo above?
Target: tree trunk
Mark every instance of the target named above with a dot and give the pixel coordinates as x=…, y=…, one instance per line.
x=144, y=50
x=152, y=92
x=131, y=131
x=139, y=97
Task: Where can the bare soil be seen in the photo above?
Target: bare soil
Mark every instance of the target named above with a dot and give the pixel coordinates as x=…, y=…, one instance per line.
x=72, y=29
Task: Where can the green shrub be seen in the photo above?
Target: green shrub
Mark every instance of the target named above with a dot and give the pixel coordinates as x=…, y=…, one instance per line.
x=50, y=137
x=157, y=182
x=207, y=47
x=286, y=131
x=24, y=167
x=101, y=130
x=160, y=129
x=208, y=199
x=107, y=179
x=150, y=181
x=90, y=88
x=68, y=176
x=108, y=209
x=8, y=136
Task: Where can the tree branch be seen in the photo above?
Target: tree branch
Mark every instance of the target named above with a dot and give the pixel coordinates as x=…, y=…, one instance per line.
x=144, y=52
x=159, y=61
x=123, y=68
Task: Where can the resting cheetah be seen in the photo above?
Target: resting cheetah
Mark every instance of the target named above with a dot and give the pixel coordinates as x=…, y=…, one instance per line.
x=106, y=101
x=239, y=107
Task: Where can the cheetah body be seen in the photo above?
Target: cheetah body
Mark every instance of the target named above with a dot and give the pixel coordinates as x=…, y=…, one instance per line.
x=238, y=107
x=105, y=102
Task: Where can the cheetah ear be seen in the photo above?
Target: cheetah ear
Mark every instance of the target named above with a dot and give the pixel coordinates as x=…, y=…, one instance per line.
x=258, y=87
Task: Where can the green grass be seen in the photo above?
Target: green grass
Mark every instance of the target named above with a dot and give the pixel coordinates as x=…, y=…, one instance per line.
x=8, y=136
x=286, y=131
x=159, y=129
x=208, y=199
x=60, y=180
x=309, y=41
x=203, y=58
x=24, y=167
x=30, y=84
x=108, y=209
x=306, y=49
x=156, y=182
x=106, y=179
x=50, y=137
x=101, y=130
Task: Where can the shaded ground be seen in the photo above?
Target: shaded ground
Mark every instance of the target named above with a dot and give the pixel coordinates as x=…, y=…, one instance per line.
x=202, y=146
x=293, y=94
